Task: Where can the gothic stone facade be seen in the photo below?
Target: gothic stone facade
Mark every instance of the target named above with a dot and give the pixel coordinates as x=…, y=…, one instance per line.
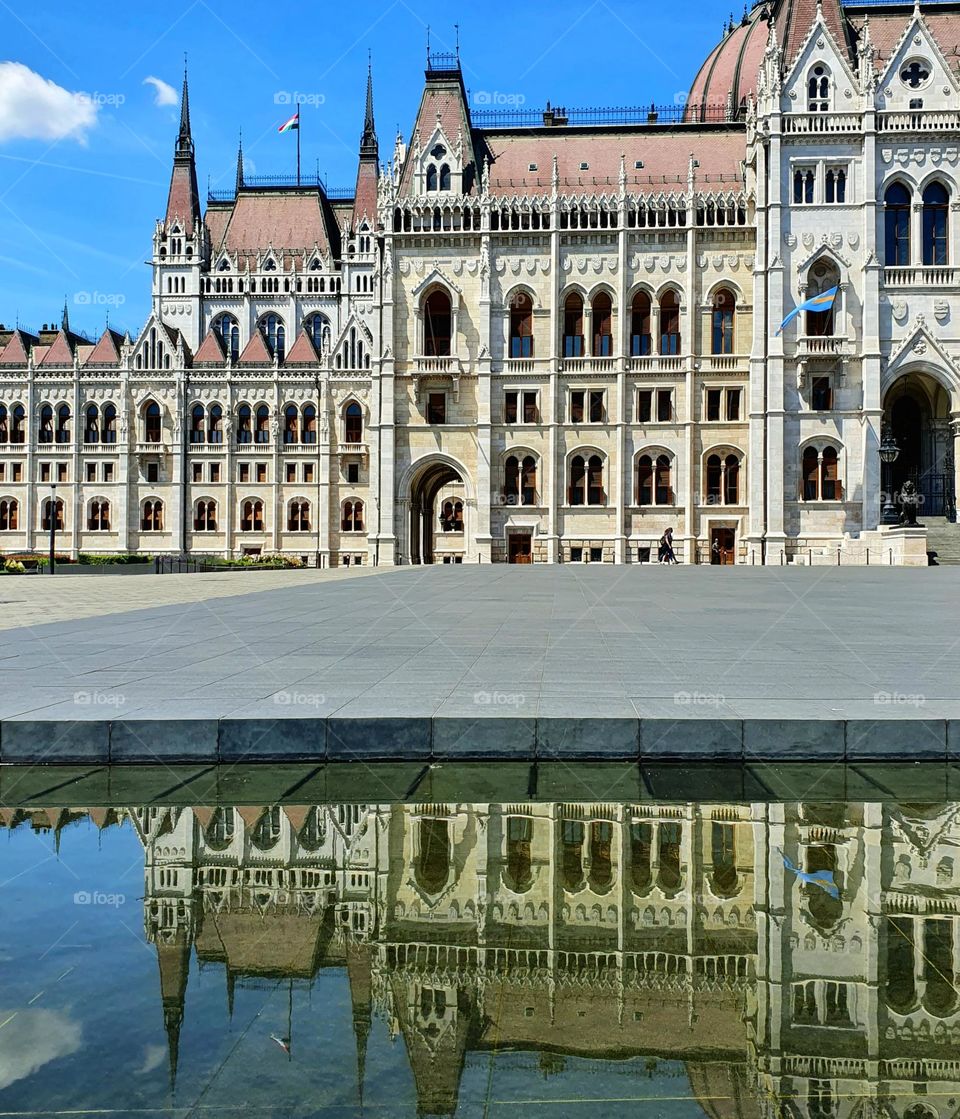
x=539, y=341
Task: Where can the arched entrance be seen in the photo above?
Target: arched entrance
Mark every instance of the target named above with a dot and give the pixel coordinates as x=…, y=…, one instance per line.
x=427, y=518
x=917, y=408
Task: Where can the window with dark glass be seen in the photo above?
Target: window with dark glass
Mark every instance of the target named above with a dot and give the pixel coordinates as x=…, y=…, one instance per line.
x=821, y=394
x=521, y=326
x=437, y=408
x=641, y=344
x=897, y=223
x=936, y=210
x=573, y=326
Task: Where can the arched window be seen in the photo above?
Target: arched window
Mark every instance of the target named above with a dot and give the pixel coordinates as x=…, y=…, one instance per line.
x=578, y=479
x=936, y=211
x=818, y=90
x=244, y=424
x=519, y=862
x=291, y=424
x=219, y=833
x=198, y=417
x=108, y=424
x=823, y=277
x=645, y=480
x=4, y=425
x=835, y=185
x=573, y=326
x=318, y=331
x=520, y=480
x=353, y=423
x=99, y=518
x=274, y=334
x=897, y=219
x=432, y=867
x=151, y=422
x=91, y=424
x=731, y=489
x=804, y=182
x=528, y=481
x=595, y=491
x=431, y=178
x=669, y=323
x=9, y=514
x=714, y=489
x=63, y=423
x=664, y=488
x=151, y=517
x=723, y=852
x=571, y=838
x=47, y=512
x=215, y=424
x=602, y=325
x=641, y=343
x=18, y=427
x=811, y=474
x=654, y=480
x=444, y=177
x=724, y=306
x=205, y=516
x=601, y=861
x=830, y=487
x=251, y=516
x=229, y=330
x=309, y=432
x=267, y=830
x=262, y=431
x=298, y=519
x=352, y=518
x=437, y=321
x=521, y=325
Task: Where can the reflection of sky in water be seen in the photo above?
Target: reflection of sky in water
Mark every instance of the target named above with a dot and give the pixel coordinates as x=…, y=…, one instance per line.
x=82, y=1023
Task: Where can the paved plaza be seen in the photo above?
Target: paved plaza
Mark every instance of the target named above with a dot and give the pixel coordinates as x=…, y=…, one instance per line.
x=554, y=648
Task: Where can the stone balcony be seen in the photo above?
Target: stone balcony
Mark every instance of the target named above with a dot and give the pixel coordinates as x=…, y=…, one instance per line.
x=926, y=276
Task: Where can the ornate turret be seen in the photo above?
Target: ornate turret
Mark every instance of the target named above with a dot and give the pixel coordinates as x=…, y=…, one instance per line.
x=365, y=199
x=183, y=201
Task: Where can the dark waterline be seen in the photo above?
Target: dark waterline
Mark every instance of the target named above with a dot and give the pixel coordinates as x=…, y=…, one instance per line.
x=436, y=955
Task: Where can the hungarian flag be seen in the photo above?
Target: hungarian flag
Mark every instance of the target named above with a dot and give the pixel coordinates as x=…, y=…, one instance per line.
x=291, y=124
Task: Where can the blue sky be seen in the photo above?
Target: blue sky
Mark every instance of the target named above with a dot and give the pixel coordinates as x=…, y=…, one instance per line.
x=82, y=181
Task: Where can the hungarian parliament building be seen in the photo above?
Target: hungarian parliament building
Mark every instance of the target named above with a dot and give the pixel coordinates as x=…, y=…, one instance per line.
x=540, y=337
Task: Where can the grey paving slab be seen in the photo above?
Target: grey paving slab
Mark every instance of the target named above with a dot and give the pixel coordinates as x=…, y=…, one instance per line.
x=564, y=642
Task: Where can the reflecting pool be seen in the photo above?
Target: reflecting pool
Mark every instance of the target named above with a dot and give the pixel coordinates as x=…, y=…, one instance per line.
x=534, y=958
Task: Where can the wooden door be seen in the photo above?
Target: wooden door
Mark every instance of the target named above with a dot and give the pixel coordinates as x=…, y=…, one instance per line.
x=723, y=547
x=521, y=549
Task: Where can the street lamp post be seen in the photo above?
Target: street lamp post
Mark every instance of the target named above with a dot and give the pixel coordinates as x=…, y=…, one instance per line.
x=53, y=529
x=889, y=453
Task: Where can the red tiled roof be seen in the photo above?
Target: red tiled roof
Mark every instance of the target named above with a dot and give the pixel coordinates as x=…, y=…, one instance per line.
x=887, y=29
x=365, y=201
x=290, y=223
x=665, y=156
x=297, y=816
x=107, y=350
x=255, y=352
x=303, y=352
x=60, y=351
x=211, y=350
x=203, y=816
x=183, y=201
x=250, y=815
x=798, y=16
x=442, y=99
x=16, y=350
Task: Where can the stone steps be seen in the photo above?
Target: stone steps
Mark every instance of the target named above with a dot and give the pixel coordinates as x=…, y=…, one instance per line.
x=944, y=539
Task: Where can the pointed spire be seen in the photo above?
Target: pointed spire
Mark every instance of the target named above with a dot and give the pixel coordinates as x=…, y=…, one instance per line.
x=65, y=320
x=185, y=139
x=240, y=164
x=368, y=141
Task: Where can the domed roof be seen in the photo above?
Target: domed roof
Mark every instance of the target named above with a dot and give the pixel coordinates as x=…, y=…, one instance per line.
x=729, y=75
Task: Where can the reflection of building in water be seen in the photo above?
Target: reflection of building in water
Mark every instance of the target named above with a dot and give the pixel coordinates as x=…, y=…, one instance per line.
x=592, y=930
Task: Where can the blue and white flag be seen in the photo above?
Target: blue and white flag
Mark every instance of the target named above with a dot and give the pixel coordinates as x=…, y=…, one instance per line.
x=822, y=302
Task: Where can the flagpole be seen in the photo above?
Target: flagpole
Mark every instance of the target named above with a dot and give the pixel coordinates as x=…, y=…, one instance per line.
x=298, y=147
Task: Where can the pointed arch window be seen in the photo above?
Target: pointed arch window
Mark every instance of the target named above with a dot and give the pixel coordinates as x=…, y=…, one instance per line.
x=291, y=424
x=445, y=177
x=309, y=432
x=197, y=423
x=722, y=479
x=670, y=323
x=91, y=424
x=573, y=326
x=431, y=178
x=298, y=519
x=318, y=331
x=275, y=335
x=353, y=423
x=205, y=517
x=228, y=329
x=602, y=325
x=641, y=338
x=897, y=223
x=586, y=481
x=151, y=422
x=99, y=518
x=262, y=432
x=352, y=517
x=724, y=311
x=521, y=326
x=437, y=324
x=18, y=425
x=818, y=90
x=936, y=220
x=151, y=516
x=52, y=509
x=520, y=480
x=244, y=424
x=108, y=424
x=63, y=424
x=9, y=514
x=251, y=516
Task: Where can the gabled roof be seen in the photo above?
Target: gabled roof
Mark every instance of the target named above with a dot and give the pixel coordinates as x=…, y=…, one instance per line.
x=887, y=30
x=107, y=350
x=443, y=104
x=211, y=350
x=256, y=353
x=18, y=348
x=291, y=224
x=61, y=350
x=303, y=351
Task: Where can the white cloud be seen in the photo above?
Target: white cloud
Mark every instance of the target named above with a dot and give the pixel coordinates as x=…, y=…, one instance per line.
x=153, y=1057
x=34, y=108
x=32, y=1039
x=164, y=94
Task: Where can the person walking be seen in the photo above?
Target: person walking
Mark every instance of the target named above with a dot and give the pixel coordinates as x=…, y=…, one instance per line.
x=666, y=552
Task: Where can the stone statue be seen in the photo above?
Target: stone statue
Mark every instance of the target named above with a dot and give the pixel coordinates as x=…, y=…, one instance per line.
x=909, y=501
